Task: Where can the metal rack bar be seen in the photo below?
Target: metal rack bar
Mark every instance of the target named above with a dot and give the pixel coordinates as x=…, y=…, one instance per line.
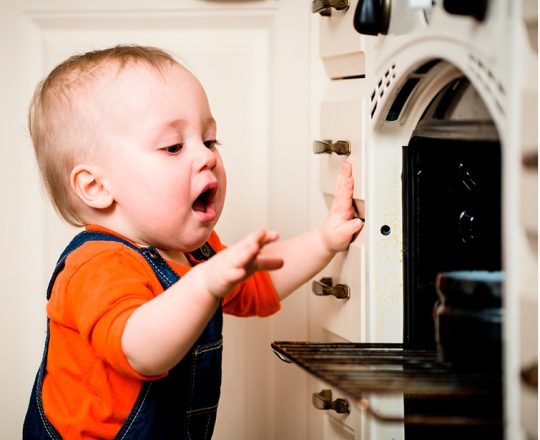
x=386, y=368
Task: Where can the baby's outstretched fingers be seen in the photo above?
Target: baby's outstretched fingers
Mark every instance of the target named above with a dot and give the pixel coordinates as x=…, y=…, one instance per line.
x=268, y=263
x=263, y=237
x=251, y=245
x=343, y=192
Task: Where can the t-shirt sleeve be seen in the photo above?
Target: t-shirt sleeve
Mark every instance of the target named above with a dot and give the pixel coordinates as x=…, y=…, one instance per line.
x=100, y=297
x=254, y=297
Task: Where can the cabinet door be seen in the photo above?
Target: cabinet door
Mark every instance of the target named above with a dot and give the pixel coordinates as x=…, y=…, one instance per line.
x=333, y=313
x=343, y=118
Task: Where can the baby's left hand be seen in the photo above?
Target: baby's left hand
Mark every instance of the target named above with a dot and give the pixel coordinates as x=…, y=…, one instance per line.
x=340, y=225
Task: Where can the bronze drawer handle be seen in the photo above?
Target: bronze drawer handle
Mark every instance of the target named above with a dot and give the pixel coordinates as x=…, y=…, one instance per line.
x=530, y=161
x=325, y=287
x=529, y=375
x=327, y=146
x=323, y=400
x=324, y=7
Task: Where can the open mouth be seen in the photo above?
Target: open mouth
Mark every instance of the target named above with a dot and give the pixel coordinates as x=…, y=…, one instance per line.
x=206, y=199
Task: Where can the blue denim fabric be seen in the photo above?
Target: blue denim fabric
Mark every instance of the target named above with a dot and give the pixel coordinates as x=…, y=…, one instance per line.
x=183, y=404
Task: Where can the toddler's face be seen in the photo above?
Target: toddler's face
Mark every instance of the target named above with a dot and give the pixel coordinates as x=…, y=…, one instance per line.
x=160, y=157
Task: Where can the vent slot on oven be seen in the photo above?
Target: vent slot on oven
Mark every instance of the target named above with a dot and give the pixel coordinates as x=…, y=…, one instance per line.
x=405, y=91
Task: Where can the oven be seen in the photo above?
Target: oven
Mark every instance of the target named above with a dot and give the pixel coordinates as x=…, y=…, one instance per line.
x=430, y=313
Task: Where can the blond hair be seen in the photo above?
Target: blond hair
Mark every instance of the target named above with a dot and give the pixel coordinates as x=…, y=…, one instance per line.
x=62, y=128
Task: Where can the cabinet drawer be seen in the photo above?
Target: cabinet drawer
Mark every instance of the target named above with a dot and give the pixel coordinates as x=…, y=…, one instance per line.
x=341, y=48
x=343, y=117
x=342, y=316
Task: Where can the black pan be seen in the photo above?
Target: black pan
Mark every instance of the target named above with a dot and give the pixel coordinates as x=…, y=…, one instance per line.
x=468, y=319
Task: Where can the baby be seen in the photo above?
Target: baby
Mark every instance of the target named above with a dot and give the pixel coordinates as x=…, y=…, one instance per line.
x=126, y=144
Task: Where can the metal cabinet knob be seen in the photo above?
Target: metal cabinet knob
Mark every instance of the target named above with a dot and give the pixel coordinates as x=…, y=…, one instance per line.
x=327, y=146
x=324, y=287
x=324, y=7
x=323, y=400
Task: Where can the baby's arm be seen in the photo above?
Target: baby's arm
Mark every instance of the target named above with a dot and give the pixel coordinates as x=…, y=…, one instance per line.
x=160, y=332
x=306, y=255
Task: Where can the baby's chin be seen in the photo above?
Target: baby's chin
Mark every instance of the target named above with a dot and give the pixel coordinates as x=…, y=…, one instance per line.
x=196, y=239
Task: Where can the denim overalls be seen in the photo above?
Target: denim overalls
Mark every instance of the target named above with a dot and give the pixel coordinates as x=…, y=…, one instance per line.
x=181, y=405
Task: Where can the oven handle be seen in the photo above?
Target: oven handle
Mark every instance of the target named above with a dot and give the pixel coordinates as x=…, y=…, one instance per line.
x=365, y=406
x=341, y=148
x=325, y=287
x=323, y=400
x=324, y=7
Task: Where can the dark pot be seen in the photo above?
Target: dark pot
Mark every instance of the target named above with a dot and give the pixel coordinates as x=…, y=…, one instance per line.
x=468, y=319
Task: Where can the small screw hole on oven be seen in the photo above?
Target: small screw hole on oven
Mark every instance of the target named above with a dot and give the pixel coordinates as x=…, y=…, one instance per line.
x=385, y=230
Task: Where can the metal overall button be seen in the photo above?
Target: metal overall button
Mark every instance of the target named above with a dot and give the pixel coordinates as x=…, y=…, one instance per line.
x=154, y=254
x=206, y=250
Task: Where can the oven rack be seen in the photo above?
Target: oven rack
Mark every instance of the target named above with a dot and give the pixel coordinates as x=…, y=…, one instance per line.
x=359, y=370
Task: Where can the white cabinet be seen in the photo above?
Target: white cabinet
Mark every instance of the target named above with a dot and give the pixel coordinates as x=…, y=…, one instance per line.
x=344, y=117
x=341, y=114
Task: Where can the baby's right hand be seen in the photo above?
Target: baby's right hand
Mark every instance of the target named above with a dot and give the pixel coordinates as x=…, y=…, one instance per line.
x=239, y=261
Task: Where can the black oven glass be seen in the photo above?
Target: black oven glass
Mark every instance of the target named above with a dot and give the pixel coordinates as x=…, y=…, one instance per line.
x=451, y=221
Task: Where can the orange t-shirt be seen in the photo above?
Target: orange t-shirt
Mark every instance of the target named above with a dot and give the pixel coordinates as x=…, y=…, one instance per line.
x=90, y=388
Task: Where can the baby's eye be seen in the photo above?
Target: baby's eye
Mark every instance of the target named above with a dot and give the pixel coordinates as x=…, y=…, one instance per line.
x=173, y=149
x=211, y=143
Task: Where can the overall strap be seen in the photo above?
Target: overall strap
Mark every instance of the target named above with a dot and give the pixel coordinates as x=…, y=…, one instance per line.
x=165, y=274
x=77, y=242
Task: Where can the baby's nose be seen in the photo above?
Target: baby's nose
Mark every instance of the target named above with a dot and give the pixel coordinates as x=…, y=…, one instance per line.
x=206, y=157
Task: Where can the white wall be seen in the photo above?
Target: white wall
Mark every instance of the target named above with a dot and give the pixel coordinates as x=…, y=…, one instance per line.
x=254, y=59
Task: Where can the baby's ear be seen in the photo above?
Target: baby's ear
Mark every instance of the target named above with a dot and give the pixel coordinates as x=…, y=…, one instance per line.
x=89, y=185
